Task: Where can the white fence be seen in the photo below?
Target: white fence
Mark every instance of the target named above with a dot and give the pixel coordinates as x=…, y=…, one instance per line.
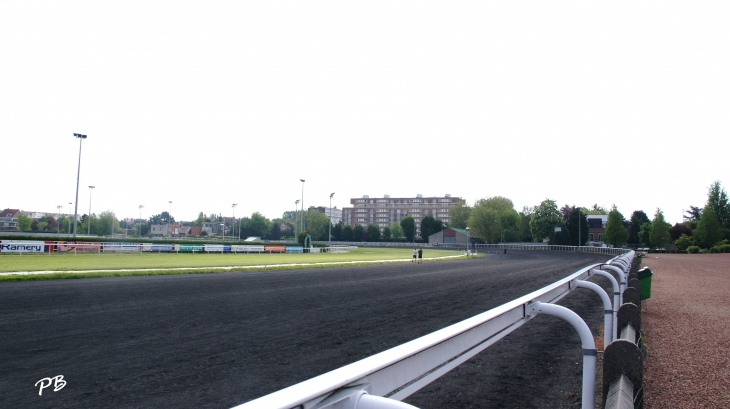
x=384, y=379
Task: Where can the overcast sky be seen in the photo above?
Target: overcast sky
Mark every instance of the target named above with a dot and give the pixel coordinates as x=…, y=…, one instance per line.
x=207, y=104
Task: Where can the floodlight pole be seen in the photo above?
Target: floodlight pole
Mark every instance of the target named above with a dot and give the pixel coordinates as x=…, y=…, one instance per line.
x=234, y=220
x=78, y=174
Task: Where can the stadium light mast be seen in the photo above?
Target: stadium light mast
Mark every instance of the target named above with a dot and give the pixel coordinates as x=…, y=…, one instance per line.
x=58, y=225
x=234, y=221
x=69, y=219
x=78, y=174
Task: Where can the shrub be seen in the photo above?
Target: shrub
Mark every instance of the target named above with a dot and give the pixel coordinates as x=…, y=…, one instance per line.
x=725, y=248
x=693, y=249
x=683, y=242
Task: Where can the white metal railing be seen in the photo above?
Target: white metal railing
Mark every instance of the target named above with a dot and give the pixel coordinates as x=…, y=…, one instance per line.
x=504, y=246
x=400, y=371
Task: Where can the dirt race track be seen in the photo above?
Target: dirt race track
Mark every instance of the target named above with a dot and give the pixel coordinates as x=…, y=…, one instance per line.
x=219, y=340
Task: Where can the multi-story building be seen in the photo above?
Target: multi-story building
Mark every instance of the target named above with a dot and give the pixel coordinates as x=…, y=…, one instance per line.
x=386, y=210
x=336, y=213
x=9, y=219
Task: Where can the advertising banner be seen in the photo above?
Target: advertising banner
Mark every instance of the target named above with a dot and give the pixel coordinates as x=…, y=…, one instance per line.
x=119, y=247
x=217, y=248
x=247, y=248
x=275, y=249
x=158, y=248
x=79, y=247
x=189, y=248
x=294, y=249
x=22, y=246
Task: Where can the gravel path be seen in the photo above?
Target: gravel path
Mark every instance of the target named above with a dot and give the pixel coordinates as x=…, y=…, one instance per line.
x=687, y=331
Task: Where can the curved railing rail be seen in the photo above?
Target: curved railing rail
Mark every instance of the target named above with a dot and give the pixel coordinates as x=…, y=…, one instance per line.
x=400, y=371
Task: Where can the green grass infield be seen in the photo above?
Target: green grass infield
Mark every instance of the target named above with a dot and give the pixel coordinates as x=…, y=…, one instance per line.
x=57, y=266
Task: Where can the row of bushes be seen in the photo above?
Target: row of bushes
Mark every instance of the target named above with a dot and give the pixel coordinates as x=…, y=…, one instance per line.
x=724, y=248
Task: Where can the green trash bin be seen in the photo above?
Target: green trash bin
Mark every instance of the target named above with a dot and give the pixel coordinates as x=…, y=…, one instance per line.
x=645, y=279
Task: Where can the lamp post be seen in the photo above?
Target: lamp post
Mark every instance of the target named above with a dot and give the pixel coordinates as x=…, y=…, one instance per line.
x=234, y=220
x=580, y=216
x=304, y=224
x=88, y=225
x=467, y=240
x=78, y=175
x=69, y=219
x=296, y=212
x=169, y=216
x=330, y=234
x=139, y=232
x=58, y=225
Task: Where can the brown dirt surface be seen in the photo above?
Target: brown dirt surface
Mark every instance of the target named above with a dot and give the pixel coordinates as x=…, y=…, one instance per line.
x=687, y=331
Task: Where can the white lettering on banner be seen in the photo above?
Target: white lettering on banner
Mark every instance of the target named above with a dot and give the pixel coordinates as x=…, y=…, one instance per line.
x=7, y=246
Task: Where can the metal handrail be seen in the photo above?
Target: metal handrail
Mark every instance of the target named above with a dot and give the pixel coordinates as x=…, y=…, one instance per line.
x=401, y=371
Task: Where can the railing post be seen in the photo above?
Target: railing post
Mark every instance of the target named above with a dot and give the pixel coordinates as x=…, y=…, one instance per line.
x=586, y=338
x=607, y=309
x=616, y=299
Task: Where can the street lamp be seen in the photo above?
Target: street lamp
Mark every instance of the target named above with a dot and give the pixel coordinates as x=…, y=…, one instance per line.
x=169, y=216
x=58, y=225
x=88, y=225
x=304, y=224
x=139, y=232
x=78, y=175
x=234, y=219
x=330, y=235
x=296, y=213
x=467, y=240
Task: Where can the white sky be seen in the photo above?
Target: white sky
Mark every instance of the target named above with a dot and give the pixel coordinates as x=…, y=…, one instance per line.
x=220, y=102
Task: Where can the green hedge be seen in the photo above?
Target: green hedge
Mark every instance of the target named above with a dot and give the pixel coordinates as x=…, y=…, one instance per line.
x=693, y=249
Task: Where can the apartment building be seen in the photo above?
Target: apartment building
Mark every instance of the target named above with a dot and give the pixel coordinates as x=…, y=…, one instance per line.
x=386, y=210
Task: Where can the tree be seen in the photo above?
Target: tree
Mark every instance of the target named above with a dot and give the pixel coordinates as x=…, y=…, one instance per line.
x=693, y=214
x=615, y=233
x=373, y=232
x=709, y=230
x=562, y=237
x=683, y=242
x=275, y=231
x=347, y=233
x=24, y=222
x=577, y=216
x=523, y=227
x=257, y=226
x=357, y=232
x=34, y=225
x=676, y=231
x=290, y=215
x=408, y=226
x=107, y=223
x=429, y=226
x=337, y=231
x=565, y=210
x=493, y=216
x=544, y=219
x=162, y=218
x=638, y=218
x=318, y=224
x=596, y=209
x=659, y=230
x=645, y=234
x=718, y=202
x=386, y=233
x=396, y=232
x=458, y=215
